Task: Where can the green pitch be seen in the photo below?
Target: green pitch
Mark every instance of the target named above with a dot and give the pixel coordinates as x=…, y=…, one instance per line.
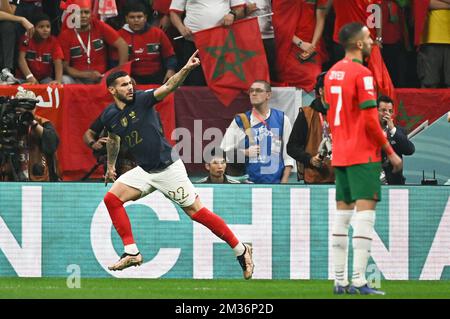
x=211, y=289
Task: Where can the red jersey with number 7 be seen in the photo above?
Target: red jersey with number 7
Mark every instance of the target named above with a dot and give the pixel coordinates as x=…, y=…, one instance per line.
x=349, y=90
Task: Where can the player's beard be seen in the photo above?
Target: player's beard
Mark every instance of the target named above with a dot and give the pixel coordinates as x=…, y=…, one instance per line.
x=366, y=50
x=124, y=99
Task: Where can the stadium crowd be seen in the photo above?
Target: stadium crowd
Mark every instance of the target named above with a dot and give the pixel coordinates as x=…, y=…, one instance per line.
x=45, y=50
x=45, y=41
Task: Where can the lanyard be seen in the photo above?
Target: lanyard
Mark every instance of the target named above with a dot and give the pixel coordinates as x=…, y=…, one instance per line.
x=88, y=49
x=256, y=114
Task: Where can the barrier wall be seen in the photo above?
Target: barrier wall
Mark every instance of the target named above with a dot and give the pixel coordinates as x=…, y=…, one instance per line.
x=45, y=229
x=73, y=108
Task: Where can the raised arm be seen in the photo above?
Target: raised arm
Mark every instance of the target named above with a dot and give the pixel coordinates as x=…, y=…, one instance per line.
x=177, y=79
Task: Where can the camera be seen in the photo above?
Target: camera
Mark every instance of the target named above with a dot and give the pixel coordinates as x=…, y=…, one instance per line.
x=15, y=119
x=324, y=148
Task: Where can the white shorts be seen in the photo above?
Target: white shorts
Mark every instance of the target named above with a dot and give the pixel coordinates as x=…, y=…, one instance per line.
x=173, y=182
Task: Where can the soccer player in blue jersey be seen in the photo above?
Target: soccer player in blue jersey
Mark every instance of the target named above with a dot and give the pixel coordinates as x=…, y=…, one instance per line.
x=132, y=119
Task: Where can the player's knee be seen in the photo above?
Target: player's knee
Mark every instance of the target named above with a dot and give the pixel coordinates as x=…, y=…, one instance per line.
x=112, y=201
x=363, y=225
x=341, y=222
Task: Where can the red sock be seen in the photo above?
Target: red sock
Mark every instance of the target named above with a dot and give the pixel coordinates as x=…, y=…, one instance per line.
x=217, y=225
x=119, y=218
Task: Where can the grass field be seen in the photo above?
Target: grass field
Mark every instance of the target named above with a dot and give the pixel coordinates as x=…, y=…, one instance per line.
x=56, y=288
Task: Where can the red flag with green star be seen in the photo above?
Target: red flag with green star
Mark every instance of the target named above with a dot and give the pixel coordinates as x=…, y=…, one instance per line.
x=232, y=58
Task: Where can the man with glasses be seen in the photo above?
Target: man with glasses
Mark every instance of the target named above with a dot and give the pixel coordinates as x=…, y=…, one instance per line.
x=259, y=136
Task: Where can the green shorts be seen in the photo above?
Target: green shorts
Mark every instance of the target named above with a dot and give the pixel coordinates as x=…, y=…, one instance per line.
x=360, y=181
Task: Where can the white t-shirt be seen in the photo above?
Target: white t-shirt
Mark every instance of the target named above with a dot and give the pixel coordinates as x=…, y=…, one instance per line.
x=265, y=23
x=204, y=14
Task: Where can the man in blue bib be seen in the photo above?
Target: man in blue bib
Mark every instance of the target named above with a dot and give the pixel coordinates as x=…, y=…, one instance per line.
x=260, y=137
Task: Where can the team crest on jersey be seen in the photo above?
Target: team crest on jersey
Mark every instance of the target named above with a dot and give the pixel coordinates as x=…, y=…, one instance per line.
x=132, y=114
x=124, y=122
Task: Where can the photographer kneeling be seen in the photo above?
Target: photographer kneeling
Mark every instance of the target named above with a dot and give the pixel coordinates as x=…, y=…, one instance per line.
x=28, y=142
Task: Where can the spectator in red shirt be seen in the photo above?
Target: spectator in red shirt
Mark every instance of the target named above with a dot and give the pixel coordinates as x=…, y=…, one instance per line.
x=347, y=11
x=157, y=61
x=85, y=57
x=394, y=51
x=298, y=27
x=40, y=57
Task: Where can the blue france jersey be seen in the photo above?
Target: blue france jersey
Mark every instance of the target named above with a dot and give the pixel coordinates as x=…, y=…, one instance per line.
x=138, y=126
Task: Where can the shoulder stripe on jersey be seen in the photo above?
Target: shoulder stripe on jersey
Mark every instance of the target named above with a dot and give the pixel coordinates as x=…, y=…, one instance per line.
x=367, y=104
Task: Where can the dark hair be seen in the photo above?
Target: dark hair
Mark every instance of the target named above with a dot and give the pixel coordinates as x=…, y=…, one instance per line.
x=38, y=17
x=266, y=84
x=114, y=76
x=348, y=33
x=385, y=99
x=215, y=153
x=135, y=7
x=320, y=80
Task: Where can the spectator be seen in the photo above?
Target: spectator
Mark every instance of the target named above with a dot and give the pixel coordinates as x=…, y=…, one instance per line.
x=95, y=138
x=161, y=17
x=216, y=168
x=118, y=21
x=347, y=11
x=85, y=58
x=33, y=155
x=201, y=15
x=8, y=38
x=259, y=8
x=309, y=130
x=260, y=136
x=40, y=58
x=398, y=139
x=157, y=61
x=298, y=34
x=433, y=58
x=394, y=50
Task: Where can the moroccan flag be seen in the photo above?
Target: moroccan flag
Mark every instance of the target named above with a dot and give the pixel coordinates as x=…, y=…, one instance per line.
x=232, y=58
x=420, y=13
x=381, y=75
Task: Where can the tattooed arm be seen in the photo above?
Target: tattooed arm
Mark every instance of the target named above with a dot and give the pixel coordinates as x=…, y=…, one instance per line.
x=112, y=149
x=177, y=79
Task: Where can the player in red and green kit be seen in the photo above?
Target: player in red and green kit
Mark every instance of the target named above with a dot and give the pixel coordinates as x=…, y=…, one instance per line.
x=357, y=142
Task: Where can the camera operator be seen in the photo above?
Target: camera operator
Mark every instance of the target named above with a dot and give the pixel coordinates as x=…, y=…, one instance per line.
x=95, y=138
x=310, y=141
x=28, y=142
x=397, y=137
